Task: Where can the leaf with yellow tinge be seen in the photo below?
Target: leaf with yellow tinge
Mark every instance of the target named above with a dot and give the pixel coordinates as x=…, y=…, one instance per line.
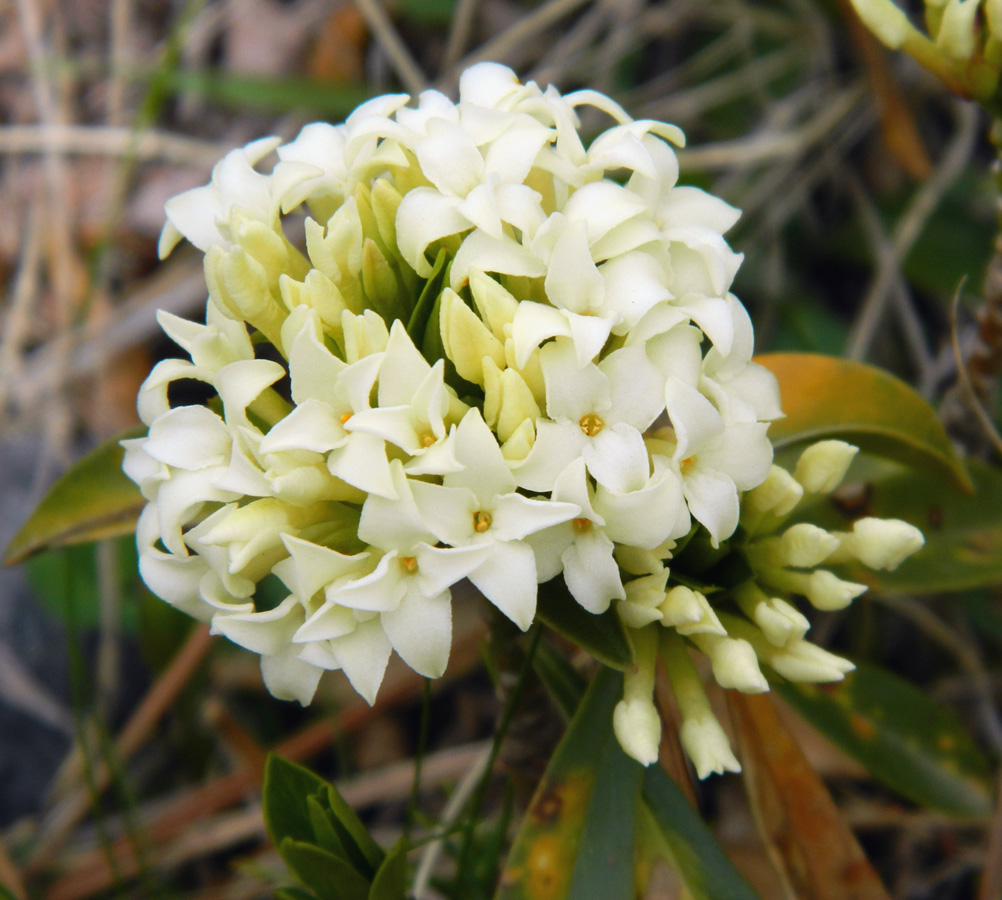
x=577, y=839
x=902, y=736
x=827, y=397
x=816, y=853
x=92, y=500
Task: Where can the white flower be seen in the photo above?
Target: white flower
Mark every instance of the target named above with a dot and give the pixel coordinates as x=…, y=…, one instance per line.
x=599, y=413
x=478, y=506
x=580, y=548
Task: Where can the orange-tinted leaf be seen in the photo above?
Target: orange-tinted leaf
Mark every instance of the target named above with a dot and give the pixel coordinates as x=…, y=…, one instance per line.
x=827, y=397
x=818, y=855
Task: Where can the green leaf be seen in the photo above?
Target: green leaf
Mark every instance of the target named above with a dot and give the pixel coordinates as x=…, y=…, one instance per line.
x=826, y=397
x=327, y=875
x=903, y=737
x=390, y=882
x=325, y=835
x=285, y=797
x=602, y=636
x=92, y=500
x=708, y=873
x=432, y=290
x=293, y=894
x=366, y=853
x=578, y=838
x=251, y=92
x=963, y=532
x=562, y=681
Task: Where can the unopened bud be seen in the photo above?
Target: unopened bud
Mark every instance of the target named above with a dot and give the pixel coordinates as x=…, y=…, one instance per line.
x=466, y=339
x=637, y=726
x=804, y=661
x=708, y=747
x=734, y=663
x=778, y=494
x=781, y=622
x=643, y=597
x=690, y=612
x=823, y=465
x=880, y=543
x=887, y=22
x=958, y=30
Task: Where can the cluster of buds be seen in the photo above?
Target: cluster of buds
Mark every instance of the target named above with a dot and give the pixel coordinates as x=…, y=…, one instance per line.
x=446, y=341
x=963, y=46
x=751, y=622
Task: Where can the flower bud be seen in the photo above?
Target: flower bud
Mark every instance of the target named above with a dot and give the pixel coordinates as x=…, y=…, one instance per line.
x=643, y=597
x=690, y=612
x=496, y=305
x=637, y=726
x=707, y=745
x=780, y=621
x=778, y=494
x=880, y=543
x=804, y=661
x=734, y=662
x=635, y=719
x=958, y=30
x=823, y=465
x=825, y=590
x=508, y=402
x=702, y=737
x=885, y=20
x=467, y=341
x=805, y=545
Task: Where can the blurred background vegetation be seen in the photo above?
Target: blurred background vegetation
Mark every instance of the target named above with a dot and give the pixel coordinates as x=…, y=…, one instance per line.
x=131, y=744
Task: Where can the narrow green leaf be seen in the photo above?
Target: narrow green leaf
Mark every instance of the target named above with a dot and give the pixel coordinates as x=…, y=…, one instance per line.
x=826, y=397
x=390, y=882
x=563, y=682
x=432, y=290
x=285, y=797
x=903, y=737
x=330, y=877
x=577, y=841
x=602, y=636
x=367, y=854
x=325, y=835
x=708, y=873
x=91, y=501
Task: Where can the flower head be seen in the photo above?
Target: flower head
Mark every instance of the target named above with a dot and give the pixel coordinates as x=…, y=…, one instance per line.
x=489, y=350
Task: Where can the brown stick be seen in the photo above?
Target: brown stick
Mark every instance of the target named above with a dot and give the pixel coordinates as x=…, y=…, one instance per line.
x=68, y=814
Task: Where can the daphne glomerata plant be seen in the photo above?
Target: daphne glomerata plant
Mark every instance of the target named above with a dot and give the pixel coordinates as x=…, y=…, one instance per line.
x=453, y=341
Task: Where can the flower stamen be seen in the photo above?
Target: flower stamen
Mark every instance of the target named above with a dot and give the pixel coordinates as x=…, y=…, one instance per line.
x=581, y=526
x=482, y=521
x=591, y=424
x=409, y=564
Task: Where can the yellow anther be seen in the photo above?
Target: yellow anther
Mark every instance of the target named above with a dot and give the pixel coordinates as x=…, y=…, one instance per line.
x=686, y=465
x=409, y=564
x=427, y=440
x=345, y=417
x=581, y=525
x=591, y=424
x=481, y=521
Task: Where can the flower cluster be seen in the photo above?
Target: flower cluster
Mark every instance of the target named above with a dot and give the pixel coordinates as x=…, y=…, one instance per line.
x=447, y=341
x=751, y=621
